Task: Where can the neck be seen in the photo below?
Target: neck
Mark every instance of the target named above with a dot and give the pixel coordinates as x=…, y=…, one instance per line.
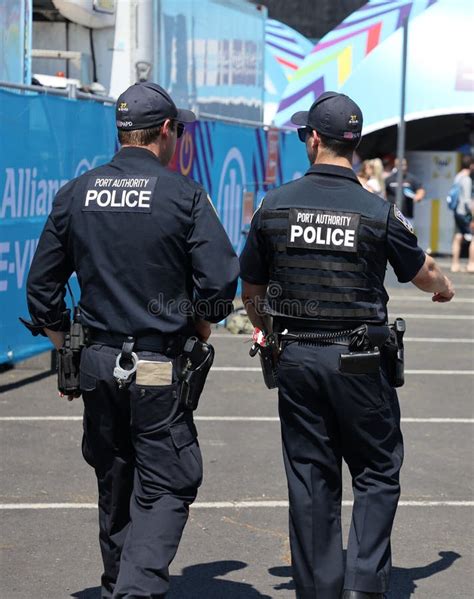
x=153, y=148
x=323, y=157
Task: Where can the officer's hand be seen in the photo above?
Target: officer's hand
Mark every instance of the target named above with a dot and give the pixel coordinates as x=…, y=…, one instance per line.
x=203, y=329
x=69, y=397
x=444, y=296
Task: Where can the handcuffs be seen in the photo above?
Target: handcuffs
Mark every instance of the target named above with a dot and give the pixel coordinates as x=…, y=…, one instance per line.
x=122, y=375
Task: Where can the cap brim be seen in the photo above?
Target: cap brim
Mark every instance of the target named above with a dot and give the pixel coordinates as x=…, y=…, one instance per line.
x=300, y=118
x=185, y=116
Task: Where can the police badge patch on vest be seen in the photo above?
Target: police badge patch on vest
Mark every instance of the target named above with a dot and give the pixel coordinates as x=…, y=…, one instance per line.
x=403, y=219
x=119, y=194
x=323, y=230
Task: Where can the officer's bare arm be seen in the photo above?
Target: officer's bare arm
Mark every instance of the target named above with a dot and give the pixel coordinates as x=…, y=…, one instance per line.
x=203, y=329
x=430, y=278
x=56, y=337
x=253, y=296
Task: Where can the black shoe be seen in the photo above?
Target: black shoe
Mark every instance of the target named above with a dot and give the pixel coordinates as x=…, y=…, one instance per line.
x=361, y=595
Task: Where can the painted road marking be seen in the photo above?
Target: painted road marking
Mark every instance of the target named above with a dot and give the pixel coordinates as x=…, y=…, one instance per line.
x=222, y=505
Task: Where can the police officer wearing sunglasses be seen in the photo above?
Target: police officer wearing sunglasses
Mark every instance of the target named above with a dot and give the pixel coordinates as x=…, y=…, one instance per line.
x=317, y=252
x=148, y=248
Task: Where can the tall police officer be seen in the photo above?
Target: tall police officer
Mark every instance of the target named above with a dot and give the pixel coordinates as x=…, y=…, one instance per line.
x=146, y=244
x=318, y=249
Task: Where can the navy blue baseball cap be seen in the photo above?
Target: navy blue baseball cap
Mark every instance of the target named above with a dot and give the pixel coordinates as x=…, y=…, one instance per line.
x=146, y=105
x=333, y=115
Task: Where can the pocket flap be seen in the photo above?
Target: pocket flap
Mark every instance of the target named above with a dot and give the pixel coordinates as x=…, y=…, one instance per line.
x=183, y=433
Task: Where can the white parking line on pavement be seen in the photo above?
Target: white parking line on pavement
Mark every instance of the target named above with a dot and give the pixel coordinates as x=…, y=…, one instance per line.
x=223, y=505
x=440, y=316
x=437, y=340
x=226, y=419
x=258, y=369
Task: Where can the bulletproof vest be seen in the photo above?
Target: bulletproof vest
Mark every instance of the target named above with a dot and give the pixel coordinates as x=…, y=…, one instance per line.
x=326, y=265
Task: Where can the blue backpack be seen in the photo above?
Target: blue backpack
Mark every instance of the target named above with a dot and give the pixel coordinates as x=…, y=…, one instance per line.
x=453, y=196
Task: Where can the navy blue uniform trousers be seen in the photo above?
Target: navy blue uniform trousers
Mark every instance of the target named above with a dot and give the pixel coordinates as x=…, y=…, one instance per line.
x=148, y=464
x=327, y=416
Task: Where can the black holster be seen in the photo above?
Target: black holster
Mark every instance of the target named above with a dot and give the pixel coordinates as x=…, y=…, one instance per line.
x=268, y=355
x=69, y=358
x=193, y=366
x=394, y=354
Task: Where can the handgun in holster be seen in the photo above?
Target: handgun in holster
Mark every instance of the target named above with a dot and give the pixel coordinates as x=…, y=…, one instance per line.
x=193, y=366
x=395, y=353
x=69, y=357
x=267, y=349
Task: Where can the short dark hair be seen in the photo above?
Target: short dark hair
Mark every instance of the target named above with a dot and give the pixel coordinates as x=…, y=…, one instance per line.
x=466, y=161
x=342, y=148
x=139, y=137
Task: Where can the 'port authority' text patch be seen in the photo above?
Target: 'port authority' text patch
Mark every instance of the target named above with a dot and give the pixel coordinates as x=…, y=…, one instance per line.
x=119, y=194
x=323, y=230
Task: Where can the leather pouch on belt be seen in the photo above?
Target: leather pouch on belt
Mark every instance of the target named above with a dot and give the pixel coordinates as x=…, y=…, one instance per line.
x=360, y=362
x=154, y=374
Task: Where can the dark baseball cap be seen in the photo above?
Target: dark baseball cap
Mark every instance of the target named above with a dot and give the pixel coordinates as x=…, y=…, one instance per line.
x=333, y=115
x=146, y=105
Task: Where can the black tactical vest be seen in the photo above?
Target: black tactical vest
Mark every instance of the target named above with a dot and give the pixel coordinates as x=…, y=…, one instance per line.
x=327, y=255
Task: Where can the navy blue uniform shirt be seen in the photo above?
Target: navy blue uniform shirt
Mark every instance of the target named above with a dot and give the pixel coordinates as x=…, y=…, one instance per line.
x=403, y=252
x=146, y=244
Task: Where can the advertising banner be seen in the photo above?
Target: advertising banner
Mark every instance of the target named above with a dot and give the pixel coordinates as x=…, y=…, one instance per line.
x=232, y=161
x=45, y=142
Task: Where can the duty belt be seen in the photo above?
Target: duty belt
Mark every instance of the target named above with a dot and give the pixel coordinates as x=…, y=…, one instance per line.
x=168, y=345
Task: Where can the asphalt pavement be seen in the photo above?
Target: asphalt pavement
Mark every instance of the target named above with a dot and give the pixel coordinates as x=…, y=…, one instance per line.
x=235, y=545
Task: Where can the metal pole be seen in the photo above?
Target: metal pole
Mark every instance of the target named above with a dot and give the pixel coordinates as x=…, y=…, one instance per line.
x=402, y=125
x=71, y=90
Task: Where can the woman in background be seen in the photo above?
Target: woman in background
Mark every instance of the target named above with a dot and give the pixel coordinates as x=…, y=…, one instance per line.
x=376, y=181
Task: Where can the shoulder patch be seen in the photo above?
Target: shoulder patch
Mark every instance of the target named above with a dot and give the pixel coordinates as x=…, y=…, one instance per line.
x=403, y=219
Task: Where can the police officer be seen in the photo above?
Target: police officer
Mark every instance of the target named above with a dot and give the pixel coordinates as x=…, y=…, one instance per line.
x=317, y=252
x=148, y=250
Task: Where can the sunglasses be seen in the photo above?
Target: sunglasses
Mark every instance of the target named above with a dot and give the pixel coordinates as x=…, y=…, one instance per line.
x=303, y=132
x=179, y=129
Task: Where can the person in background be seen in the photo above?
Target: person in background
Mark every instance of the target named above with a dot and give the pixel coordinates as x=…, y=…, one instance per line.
x=463, y=215
x=364, y=174
x=387, y=162
x=413, y=190
x=377, y=181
